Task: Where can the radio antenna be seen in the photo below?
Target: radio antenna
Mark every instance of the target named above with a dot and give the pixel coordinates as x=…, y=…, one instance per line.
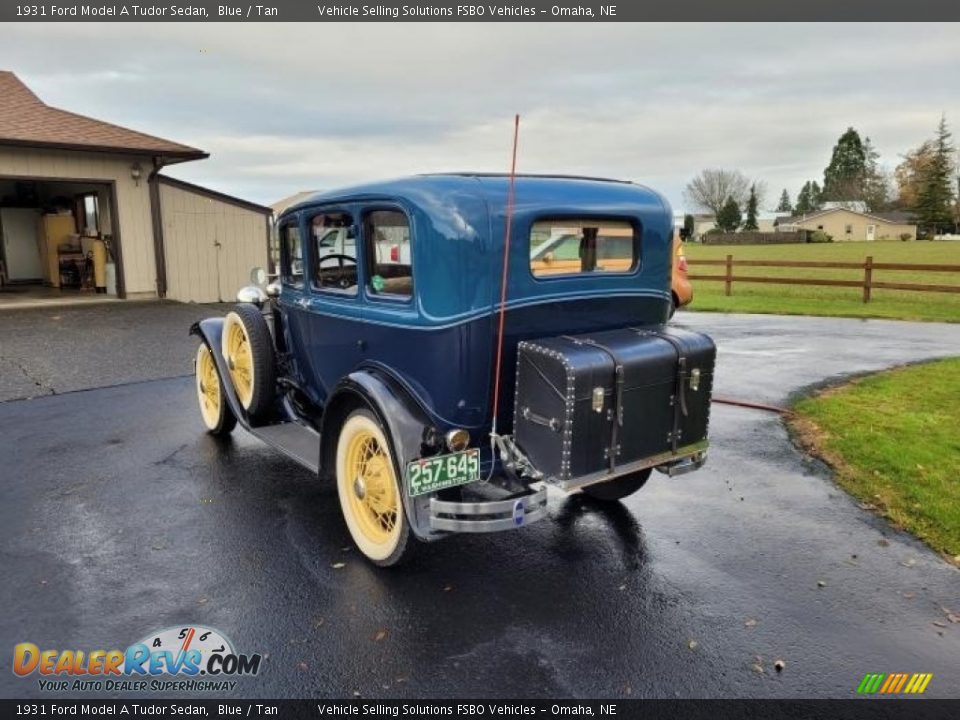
x=508, y=231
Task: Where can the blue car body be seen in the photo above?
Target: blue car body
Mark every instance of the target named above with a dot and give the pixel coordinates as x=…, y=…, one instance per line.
x=440, y=344
x=423, y=362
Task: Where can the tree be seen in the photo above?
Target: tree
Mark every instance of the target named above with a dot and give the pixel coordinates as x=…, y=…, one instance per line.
x=785, y=205
x=729, y=217
x=843, y=178
x=876, y=182
x=803, y=206
x=751, y=222
x=910, y=173
x=934, y=203
x=689, y=225
x=816, y=196
x=808, y=199
x=711, y=189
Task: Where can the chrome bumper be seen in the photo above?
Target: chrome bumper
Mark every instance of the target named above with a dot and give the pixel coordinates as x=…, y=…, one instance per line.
x=480, y=517
x=690, y=457
x=687, y=464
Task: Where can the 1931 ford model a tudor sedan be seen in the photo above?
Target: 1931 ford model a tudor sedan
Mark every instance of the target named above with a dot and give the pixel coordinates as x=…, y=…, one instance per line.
x=419, y=351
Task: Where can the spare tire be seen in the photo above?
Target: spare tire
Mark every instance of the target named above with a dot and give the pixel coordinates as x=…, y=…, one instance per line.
x=248, y=352
x=618, y=488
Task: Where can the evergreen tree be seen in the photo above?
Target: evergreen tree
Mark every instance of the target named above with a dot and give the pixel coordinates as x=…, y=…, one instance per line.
x=934, y=203
x=805, y=204
x=816, y=196
x=784, y=205
x=689, y=225
x=751, y=221
x=729, y=217
x=876, y=184
x=843, y=178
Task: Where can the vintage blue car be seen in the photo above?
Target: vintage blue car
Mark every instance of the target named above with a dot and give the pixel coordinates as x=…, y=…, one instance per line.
x=443, y=373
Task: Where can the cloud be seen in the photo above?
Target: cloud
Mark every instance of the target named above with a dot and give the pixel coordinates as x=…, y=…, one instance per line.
x=284, y=107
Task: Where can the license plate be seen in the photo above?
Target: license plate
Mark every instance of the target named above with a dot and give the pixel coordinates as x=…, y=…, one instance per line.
x=430, y=474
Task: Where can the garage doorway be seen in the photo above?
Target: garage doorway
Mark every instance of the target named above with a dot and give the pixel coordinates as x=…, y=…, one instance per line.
x=59, y=242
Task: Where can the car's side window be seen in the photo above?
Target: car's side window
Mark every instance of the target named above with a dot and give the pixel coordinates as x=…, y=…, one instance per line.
x=389, y=257
x=335, y=252
x=578, y=246
x=291, y=255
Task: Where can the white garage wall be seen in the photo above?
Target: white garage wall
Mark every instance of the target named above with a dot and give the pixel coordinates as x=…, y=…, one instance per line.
x=193, y=224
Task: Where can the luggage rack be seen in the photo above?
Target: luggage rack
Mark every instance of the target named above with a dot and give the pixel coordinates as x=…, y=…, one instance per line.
x=686, y=459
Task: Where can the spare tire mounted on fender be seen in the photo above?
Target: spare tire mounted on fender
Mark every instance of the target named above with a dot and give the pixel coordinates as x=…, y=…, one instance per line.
x=248, y=352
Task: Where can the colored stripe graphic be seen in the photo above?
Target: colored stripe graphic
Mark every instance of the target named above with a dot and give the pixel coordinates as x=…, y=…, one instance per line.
x=894, y=683
x=900, y=684
x=870, y=683
x=891, y=682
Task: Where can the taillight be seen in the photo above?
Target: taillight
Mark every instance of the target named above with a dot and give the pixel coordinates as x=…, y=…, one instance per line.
x=682, y=264
x=395, y=253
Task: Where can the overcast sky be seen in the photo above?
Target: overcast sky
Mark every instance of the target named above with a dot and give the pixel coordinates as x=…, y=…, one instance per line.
x=287, y=107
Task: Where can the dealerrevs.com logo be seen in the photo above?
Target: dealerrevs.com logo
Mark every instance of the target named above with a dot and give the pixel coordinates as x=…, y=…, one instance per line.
x=174, y=659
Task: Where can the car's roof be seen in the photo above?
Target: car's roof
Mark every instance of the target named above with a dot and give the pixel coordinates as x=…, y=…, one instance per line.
x=492, y=187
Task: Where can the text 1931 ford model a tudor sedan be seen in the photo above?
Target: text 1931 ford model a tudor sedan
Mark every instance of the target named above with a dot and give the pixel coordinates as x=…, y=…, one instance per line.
x=444, y=374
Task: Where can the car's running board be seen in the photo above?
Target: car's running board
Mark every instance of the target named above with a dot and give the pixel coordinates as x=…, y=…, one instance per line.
x=298, y=442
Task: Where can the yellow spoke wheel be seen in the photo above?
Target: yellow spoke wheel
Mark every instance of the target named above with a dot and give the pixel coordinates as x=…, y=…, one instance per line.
x=248, y=352
x=368, y=490
x=214, y=411
x=239, y=359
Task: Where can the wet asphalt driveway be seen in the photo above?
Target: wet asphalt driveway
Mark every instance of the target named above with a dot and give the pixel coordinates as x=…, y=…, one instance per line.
x=119, y=516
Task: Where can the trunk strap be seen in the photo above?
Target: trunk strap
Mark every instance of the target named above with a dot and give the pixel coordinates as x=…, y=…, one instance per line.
x=617, y=394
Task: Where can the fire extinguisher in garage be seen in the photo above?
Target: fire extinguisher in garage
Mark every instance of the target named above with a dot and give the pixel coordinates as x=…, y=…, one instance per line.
x=100, y=265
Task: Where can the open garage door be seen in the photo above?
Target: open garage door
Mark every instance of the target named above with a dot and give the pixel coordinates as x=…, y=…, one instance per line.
x=59, y=241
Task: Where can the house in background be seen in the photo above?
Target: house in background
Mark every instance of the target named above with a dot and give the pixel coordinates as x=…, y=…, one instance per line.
x=72, y=186
x=705, y=222
x=845, y=224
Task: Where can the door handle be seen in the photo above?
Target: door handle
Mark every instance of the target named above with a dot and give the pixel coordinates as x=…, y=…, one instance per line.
x=303, y=303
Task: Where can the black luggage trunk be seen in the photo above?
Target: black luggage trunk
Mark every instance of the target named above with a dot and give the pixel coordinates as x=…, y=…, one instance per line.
x=589, y=405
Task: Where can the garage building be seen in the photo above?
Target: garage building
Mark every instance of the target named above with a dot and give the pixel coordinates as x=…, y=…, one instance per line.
x=85, y=210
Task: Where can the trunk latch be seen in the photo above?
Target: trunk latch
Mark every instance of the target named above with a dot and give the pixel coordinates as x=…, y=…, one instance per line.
x=598, y=400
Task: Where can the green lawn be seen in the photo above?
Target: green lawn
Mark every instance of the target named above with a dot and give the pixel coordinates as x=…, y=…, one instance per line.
x=893, y=440
x=839, y=301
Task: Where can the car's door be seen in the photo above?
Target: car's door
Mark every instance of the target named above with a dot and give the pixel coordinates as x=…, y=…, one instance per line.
x=331, y=321
x=293, y=298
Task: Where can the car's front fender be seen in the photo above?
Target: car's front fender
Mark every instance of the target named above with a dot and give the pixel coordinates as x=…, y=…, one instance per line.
x=210, y=331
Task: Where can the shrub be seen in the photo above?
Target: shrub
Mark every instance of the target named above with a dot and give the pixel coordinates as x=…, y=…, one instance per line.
x=905, y=236
x=819, y=236
x=715, y=231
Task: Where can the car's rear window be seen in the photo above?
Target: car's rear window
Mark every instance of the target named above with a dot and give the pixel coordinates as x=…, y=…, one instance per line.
x=577, y=246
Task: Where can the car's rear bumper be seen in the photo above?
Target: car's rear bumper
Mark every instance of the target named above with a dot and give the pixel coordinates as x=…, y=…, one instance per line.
x=489, y=516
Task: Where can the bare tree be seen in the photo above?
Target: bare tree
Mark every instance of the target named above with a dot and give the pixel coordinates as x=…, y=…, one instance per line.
x=711, y=189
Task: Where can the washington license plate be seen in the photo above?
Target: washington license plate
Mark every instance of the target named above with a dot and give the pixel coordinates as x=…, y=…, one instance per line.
x=428, y=475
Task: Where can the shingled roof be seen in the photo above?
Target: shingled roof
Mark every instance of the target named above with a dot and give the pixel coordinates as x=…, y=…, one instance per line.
x=26, y=120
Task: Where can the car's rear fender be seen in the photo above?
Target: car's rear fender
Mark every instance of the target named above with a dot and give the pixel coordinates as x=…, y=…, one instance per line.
x=402, y=417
